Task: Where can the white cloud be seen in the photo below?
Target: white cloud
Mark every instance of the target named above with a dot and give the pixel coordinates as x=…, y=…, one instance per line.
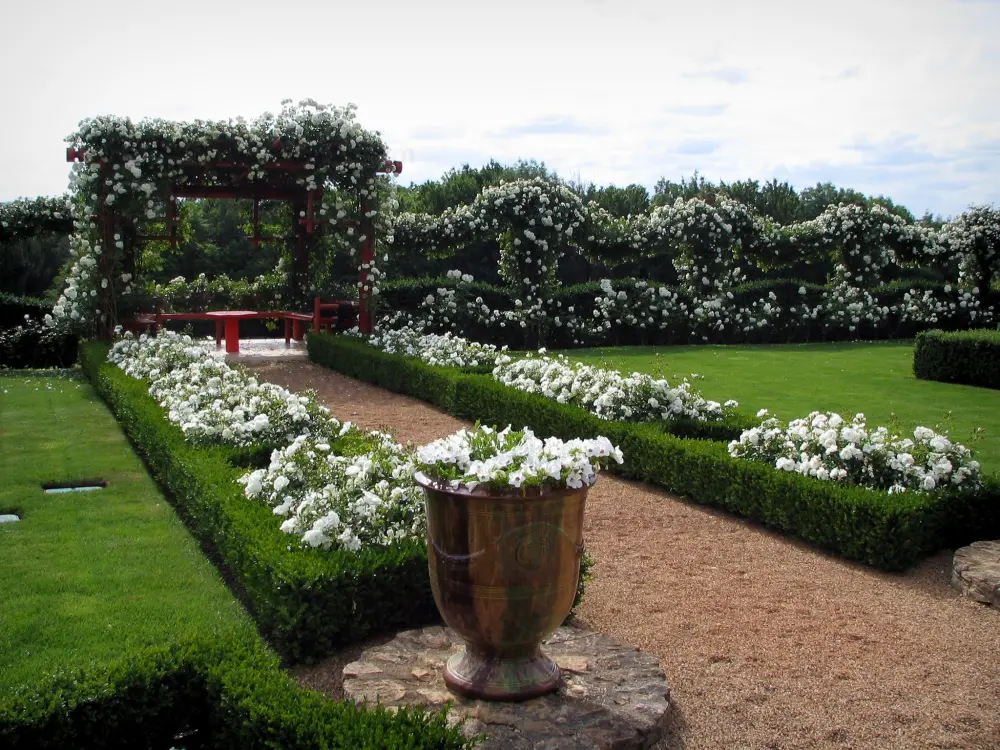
x=623, y=91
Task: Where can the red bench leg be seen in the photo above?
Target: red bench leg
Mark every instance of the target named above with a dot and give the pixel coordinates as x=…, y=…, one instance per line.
x=233, y=336
x=218, y=334
x=288, y=332
x=297, y=330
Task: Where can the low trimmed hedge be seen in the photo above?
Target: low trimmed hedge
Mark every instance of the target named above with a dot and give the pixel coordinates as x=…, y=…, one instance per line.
x=886, y=531
x=306, y=602
x=204, y=695
x=967, y=357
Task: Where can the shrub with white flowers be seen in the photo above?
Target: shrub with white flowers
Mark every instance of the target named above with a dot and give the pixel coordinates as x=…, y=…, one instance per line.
x=955, y=307
x=514, y=458
x=975, y=238
x=335, y=485
x=444, y=350
x=827, y=447
x=336, y=498
x=608, y=394
x=25, y=218
x=706, y=239
x=212, y=402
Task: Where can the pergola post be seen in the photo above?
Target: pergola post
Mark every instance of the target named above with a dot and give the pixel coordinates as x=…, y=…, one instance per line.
x=365, y=297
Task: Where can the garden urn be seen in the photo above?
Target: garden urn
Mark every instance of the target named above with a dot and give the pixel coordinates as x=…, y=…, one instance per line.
x=504, y=566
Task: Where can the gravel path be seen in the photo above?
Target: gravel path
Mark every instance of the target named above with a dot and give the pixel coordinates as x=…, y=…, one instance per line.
x=766, y=642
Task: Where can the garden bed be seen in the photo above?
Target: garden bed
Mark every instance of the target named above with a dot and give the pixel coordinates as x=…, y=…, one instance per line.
x=887, y=531
x=765, y=641
x=307, y=602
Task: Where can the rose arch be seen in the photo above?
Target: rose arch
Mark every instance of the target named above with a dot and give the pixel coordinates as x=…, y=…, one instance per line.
x=127, y=178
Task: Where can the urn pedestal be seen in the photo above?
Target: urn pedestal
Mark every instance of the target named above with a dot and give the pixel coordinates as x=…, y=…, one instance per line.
x=504, y=567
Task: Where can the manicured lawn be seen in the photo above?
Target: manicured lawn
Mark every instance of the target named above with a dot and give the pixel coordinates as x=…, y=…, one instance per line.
x=89, y=577
x=791, y=380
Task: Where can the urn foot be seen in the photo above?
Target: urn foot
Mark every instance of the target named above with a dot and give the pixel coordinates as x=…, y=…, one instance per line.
x=514, y=679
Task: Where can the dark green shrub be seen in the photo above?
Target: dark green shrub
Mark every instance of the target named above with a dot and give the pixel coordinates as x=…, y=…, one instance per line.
x=968, y=357
x=34, y=345
x=394, y=372
x=215, y=695
x=14, y=308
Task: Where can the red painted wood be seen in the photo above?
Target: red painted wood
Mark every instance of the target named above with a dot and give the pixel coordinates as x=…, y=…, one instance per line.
x=233, y=335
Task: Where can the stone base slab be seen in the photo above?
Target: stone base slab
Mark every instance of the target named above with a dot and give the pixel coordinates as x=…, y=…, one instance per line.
x=612, y=696
x=976, y=571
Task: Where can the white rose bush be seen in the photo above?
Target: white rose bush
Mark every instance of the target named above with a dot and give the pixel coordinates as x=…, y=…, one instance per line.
x=608, y=394
x=510, y=459
x=444, y=350
x=330, y=484
x=367, y=497
x=212, y=402
x=829, y=448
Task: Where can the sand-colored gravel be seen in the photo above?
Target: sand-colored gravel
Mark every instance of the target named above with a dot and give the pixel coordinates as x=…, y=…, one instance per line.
x=766, y=642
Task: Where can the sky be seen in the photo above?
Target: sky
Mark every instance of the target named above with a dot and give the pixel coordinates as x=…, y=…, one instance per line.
x=890, y=97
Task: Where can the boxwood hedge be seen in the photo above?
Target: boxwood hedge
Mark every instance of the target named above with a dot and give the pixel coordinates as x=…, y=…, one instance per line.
x=306, y=602
x=967, y=357
x=886, y=531
x=204, y=695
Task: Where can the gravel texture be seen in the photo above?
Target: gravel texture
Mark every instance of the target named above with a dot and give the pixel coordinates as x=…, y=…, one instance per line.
x=766, y=642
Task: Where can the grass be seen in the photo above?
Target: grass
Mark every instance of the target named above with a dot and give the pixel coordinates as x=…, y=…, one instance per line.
x=791, y=380
x=89, y=577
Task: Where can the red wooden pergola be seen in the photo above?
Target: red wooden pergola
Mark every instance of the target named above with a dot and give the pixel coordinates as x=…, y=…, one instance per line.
x=229, y=180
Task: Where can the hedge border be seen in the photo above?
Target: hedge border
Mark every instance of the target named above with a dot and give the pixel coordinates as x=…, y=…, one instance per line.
x=886, y=531
x=297, y=597
x=231, y=694
x=966, y=357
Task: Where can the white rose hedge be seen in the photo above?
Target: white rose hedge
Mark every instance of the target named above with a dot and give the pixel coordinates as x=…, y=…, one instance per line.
x=307, y=601
x=827, y=447
x=445, y=350
x=608, y=394
x=633, y=311
x=355, y=501
x=212, y=402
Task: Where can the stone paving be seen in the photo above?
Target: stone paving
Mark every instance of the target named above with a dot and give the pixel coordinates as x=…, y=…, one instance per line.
x=613, y=695
x=976, y=571
x=256, y=351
